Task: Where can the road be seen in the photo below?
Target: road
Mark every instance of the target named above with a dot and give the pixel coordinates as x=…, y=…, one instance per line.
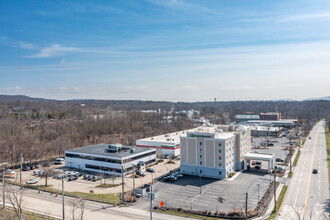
x=48, y=204
x=307, y=196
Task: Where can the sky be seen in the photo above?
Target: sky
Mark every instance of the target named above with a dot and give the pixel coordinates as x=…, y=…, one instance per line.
x=174, y=50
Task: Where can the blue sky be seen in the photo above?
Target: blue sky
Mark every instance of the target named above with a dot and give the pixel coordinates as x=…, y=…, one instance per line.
x=172, y=50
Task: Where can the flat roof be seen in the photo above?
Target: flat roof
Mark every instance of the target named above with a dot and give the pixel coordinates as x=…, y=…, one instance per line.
x=100, y=149
x=170, y=138
x=247, y=116
x=258, y=156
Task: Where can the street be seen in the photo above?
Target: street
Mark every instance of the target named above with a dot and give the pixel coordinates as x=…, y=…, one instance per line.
x=48, y=204
x=307, y=196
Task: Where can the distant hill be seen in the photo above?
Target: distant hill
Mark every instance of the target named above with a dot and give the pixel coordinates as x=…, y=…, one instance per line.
x=327, y=98
x=21, y=98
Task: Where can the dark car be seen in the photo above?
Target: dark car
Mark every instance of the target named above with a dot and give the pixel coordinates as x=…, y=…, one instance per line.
x=72, y=178
x=85, y=177
x=279, y=160
x=257, y=167
x=32, y=167
x=168, y=179
x=314, y=171
x=270, y=144
x=150, y=170
x=26, y=168
x=96, y=178
x=90, y=177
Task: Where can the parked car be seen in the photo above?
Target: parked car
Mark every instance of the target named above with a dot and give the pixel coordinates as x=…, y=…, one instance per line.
x=253, y=163
x=90, y=177
x=166, y=156
x=96, y=178
x=315, y=171
x=168, y=179
x=258, y=163
x=85, y=177
x=72, y=178
x=140, y=173
x=279, y=160
x=257, y=167
x=59, y=161
x=150, y=170
x=37, y=166
x=9, y=171
x=270, y=144
x=32, y=181
x=174, y=177
x=32, y=167
x=37, y=172
x=26, y=168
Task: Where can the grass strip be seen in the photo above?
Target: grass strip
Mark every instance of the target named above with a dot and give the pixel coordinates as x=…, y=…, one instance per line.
x=296, y=159
x=187, y=215
x=278, y=203
x=290, y=174
x=109, y=198
x=8, y=213
x=303, y=142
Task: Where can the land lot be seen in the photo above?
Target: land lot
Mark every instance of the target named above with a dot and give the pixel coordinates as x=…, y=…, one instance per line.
x=216, y=195
x=85, y=186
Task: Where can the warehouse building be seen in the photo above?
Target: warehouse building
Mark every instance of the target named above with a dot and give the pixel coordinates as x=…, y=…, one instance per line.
x=111, y=159
x=213, y=152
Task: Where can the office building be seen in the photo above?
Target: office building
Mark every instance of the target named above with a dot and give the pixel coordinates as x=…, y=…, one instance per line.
x=109, y=159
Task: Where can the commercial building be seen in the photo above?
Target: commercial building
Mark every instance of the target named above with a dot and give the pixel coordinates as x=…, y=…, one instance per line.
x=213, y=152
x=111, y=159
x=265, y=131
x=285, y=123
x=270, y=116
x=242, y=118
x=164, y=144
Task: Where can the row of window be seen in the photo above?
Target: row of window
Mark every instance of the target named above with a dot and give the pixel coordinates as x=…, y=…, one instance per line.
x=201, y=143
x=108, y=160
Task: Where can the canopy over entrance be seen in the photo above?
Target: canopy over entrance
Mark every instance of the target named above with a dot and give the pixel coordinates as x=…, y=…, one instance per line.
x=258, y=156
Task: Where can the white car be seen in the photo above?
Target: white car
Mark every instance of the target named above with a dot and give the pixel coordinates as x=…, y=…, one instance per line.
x=32, y=181
x=37, y=172
x=10, y=172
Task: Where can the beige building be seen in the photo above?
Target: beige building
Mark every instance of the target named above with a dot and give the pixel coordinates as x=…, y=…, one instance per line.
x=214, y=151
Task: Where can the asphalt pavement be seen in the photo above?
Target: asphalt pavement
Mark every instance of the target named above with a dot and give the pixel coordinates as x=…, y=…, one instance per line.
x=307, y=196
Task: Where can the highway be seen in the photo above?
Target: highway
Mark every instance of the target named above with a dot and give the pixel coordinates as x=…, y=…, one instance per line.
x=307, y=196
x=48, y=204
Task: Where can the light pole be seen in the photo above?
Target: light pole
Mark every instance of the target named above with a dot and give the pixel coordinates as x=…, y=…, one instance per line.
x=63, y=214
x=3, y=185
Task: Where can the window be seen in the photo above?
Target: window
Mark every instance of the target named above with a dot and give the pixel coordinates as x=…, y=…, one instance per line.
x=200, y=171
x=219, y=158
x=219, y=151
x=219, y=164
x=200, y=162
x=200, y=143
x=200, y=149
x=219, y=144
x=220, y=173
x=200, y=156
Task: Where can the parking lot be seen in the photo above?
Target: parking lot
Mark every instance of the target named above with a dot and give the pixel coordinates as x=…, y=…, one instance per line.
x=216, y=195
x=82, y=185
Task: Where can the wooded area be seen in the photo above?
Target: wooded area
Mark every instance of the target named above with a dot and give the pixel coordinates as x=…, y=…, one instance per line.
x=42, y=129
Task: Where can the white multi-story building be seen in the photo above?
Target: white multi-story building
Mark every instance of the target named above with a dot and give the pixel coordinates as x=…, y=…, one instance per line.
x=109, y=159
x=167, y=144
x=213, y=152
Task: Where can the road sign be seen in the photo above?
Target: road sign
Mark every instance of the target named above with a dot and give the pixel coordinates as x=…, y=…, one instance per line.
x=161, y=203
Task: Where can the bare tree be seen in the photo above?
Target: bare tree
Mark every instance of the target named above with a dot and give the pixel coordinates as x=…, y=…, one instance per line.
x=74, y=203
x=81, y=206
x=15, y=198
x=47, y=171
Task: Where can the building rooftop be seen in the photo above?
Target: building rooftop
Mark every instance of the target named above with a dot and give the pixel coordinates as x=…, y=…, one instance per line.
x=171, y=138
x=101, y=150
x=247, y=117
x=259, y=156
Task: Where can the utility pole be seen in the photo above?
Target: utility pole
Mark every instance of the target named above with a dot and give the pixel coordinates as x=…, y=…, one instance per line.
x=215, y=110
x=122, y=183
x=274, y=190
x=151, y=202
x=258, y=191
x=246, y=206
x=200, y=183
x=20, y=173
x=133, y=181
x=63, y=213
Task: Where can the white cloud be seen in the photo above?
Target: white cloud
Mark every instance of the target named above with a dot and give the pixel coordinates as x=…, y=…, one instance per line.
x=306, y=16
x=26, y=45
x=55, y=50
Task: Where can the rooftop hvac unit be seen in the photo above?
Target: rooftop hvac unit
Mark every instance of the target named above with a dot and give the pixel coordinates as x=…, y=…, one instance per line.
x=168, y=139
